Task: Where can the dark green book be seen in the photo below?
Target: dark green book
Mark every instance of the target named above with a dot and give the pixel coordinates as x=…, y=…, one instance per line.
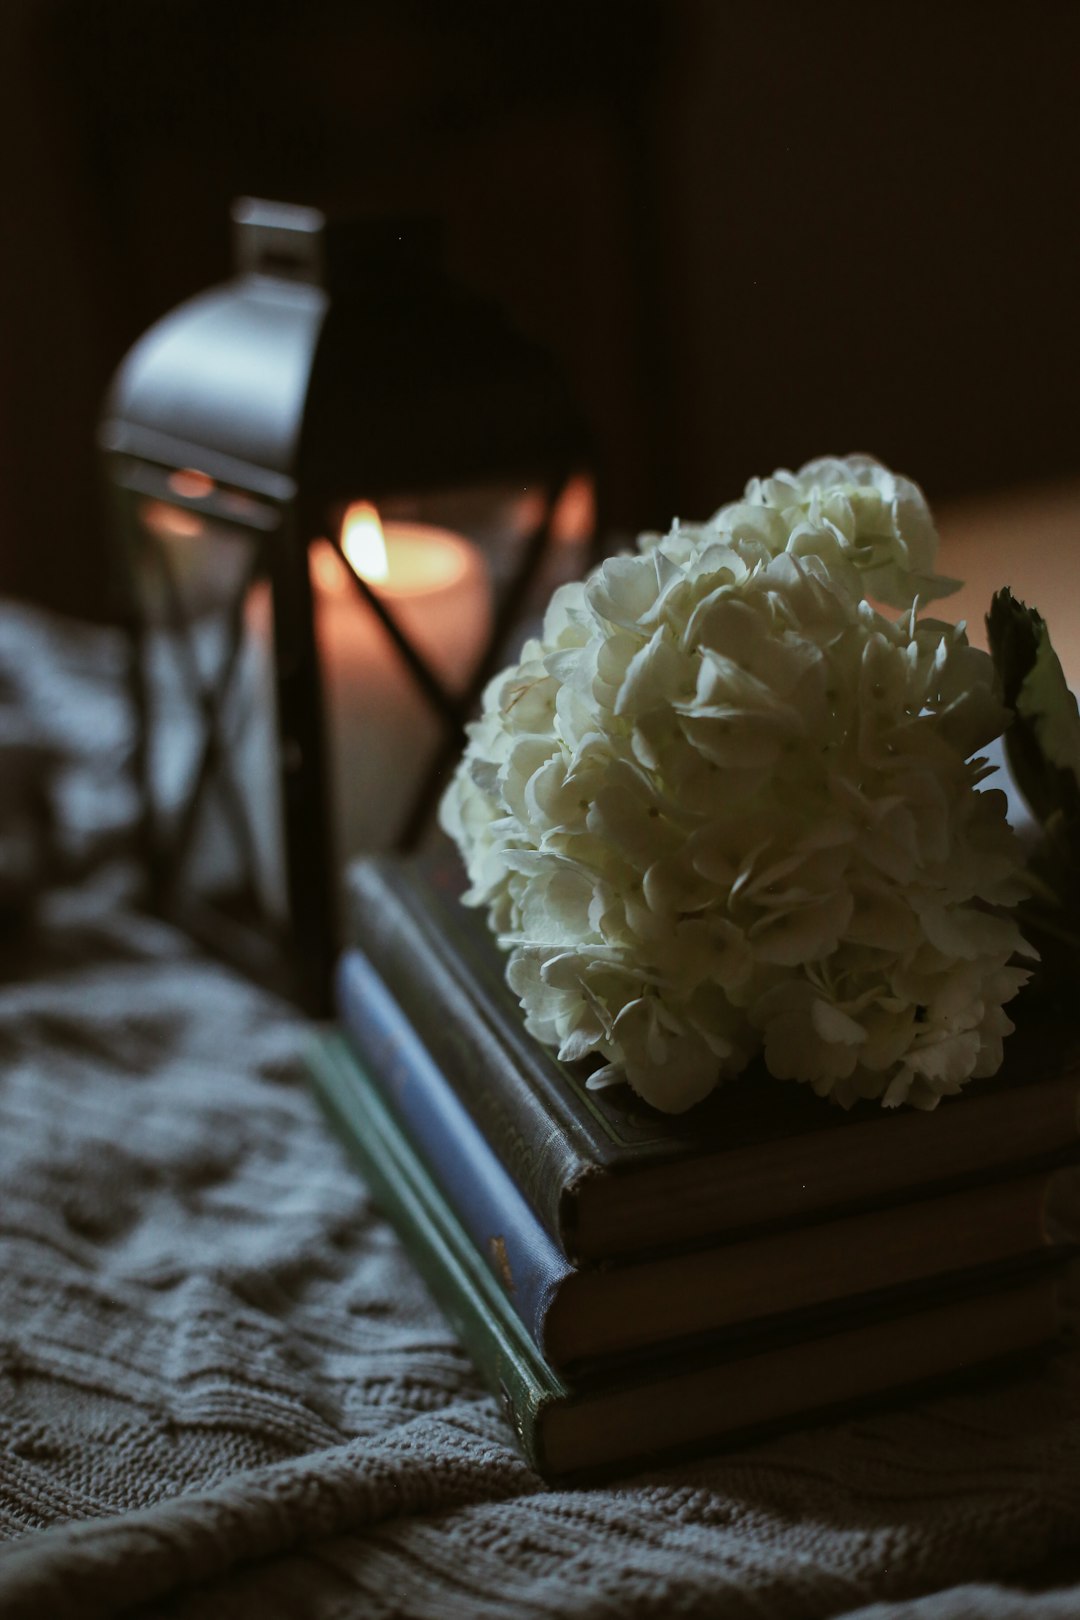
x=665, y=1406
x=607, y=1175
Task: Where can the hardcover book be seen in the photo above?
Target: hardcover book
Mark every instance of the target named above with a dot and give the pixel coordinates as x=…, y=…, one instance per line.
x=580, y=1313
x=666, y=1405
x=608, y=1177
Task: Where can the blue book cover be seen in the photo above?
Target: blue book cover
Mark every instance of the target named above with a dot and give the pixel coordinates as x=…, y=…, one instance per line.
x=524, y=1258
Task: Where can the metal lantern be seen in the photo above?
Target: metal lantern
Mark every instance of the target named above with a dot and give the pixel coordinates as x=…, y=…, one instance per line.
x=301, y=692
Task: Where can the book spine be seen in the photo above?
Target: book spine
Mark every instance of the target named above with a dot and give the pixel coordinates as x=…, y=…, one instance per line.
x=532, y=1123
x=521, y=1255
x=463, y=1289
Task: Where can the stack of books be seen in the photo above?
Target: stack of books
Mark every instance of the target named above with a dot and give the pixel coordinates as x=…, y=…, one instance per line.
x=637, y=1286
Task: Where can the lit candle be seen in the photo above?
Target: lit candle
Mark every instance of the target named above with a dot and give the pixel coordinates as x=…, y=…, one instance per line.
x=381, y=731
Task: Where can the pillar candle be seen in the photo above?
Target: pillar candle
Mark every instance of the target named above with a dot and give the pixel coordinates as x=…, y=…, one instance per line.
x=381, y=732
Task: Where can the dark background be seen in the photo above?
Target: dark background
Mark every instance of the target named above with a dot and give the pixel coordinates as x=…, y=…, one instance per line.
x=755, y=233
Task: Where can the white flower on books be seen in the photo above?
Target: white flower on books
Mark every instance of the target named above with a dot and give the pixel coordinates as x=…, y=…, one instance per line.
x=723, y=805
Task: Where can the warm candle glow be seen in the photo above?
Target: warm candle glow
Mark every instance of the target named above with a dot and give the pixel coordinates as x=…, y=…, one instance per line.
x=190, y=483
x=171, y=522
x=362, y=541
x=329, y=574
x=574, y=517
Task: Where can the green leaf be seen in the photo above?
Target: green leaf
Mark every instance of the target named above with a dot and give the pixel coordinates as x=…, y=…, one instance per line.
x=1043, y=740
x=1013, y=633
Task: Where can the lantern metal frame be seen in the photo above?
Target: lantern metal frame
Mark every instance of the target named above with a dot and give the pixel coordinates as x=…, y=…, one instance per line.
x=340, y=361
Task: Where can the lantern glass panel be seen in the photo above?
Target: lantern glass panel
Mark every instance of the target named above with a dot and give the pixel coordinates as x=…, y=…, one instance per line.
x=470, y=569
x=466, y=574
x=211, y=769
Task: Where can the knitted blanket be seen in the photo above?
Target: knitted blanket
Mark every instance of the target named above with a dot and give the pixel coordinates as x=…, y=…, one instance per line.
x=223, y=1392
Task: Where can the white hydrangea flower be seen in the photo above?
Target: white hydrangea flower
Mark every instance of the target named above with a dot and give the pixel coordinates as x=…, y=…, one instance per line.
x=724, y=806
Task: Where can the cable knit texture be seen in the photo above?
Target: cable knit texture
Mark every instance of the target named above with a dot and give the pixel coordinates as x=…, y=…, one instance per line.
x=224, y=1393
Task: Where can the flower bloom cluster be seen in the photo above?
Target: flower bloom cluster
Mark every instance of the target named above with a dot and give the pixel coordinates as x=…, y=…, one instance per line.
x=723, y=806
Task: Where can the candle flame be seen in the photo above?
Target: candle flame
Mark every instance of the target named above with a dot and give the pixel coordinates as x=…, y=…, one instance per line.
x=362, y=541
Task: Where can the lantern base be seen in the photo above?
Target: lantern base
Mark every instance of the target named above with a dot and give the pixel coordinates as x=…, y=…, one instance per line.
x=233, y=930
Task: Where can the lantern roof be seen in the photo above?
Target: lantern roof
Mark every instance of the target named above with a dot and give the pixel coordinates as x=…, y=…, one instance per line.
x=337, y=352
